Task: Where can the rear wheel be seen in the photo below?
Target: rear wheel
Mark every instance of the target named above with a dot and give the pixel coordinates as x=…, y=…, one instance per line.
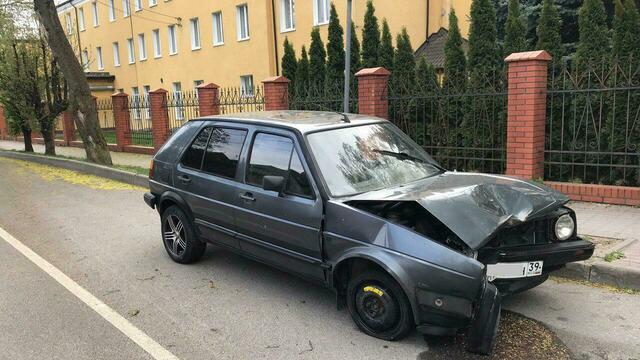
x=378, y=305
x=179, y=237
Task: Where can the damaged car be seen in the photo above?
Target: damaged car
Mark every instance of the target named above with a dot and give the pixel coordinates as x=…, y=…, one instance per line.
x=352, y=203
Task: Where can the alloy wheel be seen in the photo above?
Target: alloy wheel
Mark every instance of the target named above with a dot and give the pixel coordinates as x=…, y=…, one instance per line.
x=174, y=235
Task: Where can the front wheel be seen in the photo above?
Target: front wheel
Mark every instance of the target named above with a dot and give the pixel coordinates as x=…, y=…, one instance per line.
x=378, y=306
x=179, y=237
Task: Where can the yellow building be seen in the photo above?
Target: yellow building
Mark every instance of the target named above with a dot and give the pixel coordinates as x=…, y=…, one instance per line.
x=140, y=45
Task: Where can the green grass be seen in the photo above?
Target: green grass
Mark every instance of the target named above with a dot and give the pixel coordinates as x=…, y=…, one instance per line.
x=613, y=256
x=138, y=138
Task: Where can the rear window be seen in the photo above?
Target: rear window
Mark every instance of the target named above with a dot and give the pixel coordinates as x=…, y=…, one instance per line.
x=193, y=157
x=223, y=152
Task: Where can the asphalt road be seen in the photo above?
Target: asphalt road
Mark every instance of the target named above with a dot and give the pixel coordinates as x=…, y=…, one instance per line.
x=225, y=307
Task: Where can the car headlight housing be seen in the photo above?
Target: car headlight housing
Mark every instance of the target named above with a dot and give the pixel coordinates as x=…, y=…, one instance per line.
x=565, y=227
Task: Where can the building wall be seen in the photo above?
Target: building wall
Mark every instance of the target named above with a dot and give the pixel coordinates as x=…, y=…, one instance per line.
x=224, y=64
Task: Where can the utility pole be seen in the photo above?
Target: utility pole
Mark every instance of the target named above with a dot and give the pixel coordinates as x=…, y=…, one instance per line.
x=347, y=59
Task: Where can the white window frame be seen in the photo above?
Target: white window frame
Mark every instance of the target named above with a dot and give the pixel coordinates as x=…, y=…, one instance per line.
x=196, y=41
x=81, y=23
x=290, y=7
x=173, y=39
x=146, y=89
x=247, y=87
x=112, y=11
x=131, y=51
x=178, y=97
x=316, y=16
x=137, y=4
x=68, y=22
x=85, y=60
x=157, y=43
x=142, y=47
x=242, y=18
x=126, y=8
x=216, y=19
x=136, y=109
x=94, y=12
x=99, y=60
x=153, y=3
x=197, y=83
x=116, y=53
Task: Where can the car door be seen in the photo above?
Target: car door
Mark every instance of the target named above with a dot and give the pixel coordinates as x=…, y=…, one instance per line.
x=207, y=177
x=282, y=229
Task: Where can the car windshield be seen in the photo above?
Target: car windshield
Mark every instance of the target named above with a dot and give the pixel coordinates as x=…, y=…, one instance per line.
x=364, y=158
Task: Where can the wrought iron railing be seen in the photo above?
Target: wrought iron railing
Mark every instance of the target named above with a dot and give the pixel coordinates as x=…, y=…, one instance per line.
x=182, y=106
x=106, y=119
x=236, y=100
x=326, y=97
x=140, y=120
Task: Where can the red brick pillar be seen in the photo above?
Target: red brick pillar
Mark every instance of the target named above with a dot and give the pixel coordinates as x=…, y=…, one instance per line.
x=208, y=99
x=68, y=128
x=159, y=117
x=4, y=129
x=276, y=93
x=122, y=118
x=526, y=114
x=372, y=92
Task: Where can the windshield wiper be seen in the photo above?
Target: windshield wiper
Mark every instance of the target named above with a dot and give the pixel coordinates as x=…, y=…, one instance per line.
x=399, y=155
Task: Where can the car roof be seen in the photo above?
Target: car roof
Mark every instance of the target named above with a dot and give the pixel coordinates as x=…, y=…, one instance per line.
x=303, y=121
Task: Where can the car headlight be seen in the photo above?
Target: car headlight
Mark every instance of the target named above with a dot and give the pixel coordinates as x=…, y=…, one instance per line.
x=565, y=226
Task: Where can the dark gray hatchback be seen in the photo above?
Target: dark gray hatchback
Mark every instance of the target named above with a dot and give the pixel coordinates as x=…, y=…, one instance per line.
x=351, y=202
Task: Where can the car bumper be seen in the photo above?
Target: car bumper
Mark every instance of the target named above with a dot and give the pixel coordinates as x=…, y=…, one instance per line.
x=150, y=200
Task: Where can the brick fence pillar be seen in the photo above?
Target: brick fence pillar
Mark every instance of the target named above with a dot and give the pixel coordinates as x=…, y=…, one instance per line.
x=372, y=92
x=159, y=117
x=208, y=99
x=276, y=93
x=122, y=119
x=4, y=128
x=526, y=113
x=68, y=127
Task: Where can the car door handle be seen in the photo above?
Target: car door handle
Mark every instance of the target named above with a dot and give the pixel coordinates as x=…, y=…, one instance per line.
x=247, y=197
x=184, y=179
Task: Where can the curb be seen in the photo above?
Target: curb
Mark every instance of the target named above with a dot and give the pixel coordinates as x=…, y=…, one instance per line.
x=81, y=166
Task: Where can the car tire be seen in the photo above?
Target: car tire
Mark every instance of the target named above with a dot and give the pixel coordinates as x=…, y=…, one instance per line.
x=379, y=306
x=179, y=236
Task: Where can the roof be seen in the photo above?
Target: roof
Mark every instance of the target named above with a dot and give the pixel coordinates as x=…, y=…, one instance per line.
x=433, y=48
x=303, y=121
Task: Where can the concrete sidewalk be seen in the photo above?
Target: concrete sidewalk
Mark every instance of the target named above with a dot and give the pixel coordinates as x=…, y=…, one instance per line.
x=118, y=158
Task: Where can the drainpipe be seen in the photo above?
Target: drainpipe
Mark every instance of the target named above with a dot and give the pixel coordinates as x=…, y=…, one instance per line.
x=275, y=37
x=427, y=30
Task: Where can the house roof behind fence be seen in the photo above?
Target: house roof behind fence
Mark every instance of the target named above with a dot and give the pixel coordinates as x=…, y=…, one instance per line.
x=433, y=48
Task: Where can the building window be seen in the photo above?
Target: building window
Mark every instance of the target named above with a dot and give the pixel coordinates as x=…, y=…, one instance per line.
x=116, y=54
x=81, y=24
x=112, y=11
x=153, y=3
x=138, y=5
x=126, y=8
x=173, y=41
x=218, y=34
x=142, y=47
x=320, y=12
x=242, y=22
x=85, y=60
x=99, y=58
x=135, y=102
x=287, y=15
x=132, y=52
x=157, y=47
x=246, y=85
x=69, y=24
x=197, y=83
x=145, y=101
x=195, y=34
x=94, y=11
x=177, y=96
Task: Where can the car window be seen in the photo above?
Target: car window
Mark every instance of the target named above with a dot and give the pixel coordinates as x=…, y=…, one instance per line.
x=223, y=152
x=270, y=155
x=298, y=182
x=193, y=157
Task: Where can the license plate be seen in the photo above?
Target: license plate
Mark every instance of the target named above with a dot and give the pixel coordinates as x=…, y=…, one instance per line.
x=514, y=270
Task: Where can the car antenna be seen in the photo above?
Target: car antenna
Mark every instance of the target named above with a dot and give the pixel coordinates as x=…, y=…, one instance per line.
x=345, y=118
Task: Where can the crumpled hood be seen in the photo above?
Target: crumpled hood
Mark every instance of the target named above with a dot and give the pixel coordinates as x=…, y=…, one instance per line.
x=475, y=206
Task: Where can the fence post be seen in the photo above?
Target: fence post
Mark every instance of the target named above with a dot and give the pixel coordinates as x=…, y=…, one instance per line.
x=208, y=99
x=526, y=113
x=68, y=127
x=122, y=119
x=4, y=129
x=276, y=93
x=372, y=92
x=159, y=117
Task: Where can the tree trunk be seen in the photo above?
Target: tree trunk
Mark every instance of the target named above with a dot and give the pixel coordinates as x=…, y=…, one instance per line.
x=48, y=134
x=28, y=145
x=81, y=103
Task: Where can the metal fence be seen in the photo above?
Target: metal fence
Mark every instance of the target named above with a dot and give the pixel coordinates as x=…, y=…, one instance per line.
x=106, y=119
x=326, y=97
x=140, y=120
x=58, y=128
x=593, y=124
x=462, y=128
x=182, y=106
x=236, y=100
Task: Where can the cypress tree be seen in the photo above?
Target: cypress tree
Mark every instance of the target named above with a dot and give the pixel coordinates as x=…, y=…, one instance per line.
x=370, y=38
x=302, y=71
x=548, y=31
x=385, y=51
x=404, y=63
x=289, y=63
x=335, y=50
x=593, y=47
x=356, y=64
x=426, y=79
x=317, y=55
x=514, y=32
x=455, y=63
x=484, y=54
x=626, y=24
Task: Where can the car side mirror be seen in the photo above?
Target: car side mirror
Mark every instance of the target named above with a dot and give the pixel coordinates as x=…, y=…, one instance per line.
x=273, y=183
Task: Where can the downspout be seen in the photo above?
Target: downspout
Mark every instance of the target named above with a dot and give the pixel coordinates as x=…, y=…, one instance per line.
x=427, y=30
x=275, y=38
x=75, y=10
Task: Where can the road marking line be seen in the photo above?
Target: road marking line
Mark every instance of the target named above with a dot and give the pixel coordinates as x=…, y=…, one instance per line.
x=118, y=321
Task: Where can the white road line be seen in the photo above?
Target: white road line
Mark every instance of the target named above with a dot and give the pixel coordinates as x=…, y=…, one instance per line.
x=128, y=329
